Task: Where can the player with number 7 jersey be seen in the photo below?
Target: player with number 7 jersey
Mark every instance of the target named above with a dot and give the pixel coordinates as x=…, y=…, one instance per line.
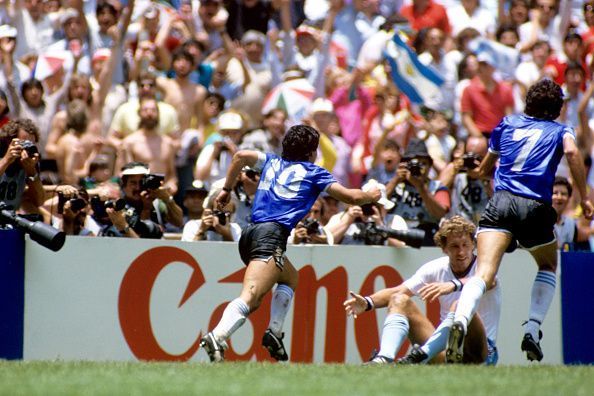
x=529, y=148
x=287, y=190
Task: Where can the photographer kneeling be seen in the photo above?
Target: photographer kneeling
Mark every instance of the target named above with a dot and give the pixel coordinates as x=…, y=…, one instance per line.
x=145, y=208
x=310, y=230
x=420, y=201
x=356, y=225
x=215, y=225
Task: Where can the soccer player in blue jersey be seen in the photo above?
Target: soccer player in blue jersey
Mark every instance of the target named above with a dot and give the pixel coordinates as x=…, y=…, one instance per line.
x=287, y=189
x=529, y=148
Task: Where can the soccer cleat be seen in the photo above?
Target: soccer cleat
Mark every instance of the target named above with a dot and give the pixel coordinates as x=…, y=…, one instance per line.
x=532, y=347
x=214, y=348
x=378, y=360
x=455, y=350
x=415, y=356
x=275, y=346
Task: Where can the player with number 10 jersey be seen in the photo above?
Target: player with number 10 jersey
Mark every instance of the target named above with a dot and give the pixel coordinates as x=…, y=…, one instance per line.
x=529, y=151
x=287, y=190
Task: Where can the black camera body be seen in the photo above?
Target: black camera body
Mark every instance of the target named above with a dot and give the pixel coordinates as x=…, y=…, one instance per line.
x=311, y=225
x=76, y=204
x=29, y=147
x=117, y=204
x=415, y=167
x=372, y=234
x=469, y=161
x=222, y=216
x=151, y=182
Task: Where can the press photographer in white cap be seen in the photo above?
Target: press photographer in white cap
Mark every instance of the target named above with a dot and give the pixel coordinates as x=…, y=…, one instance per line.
x=349, y=226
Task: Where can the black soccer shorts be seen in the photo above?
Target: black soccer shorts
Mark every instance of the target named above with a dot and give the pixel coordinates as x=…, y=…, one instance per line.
x=530, y=222
x=263, y=241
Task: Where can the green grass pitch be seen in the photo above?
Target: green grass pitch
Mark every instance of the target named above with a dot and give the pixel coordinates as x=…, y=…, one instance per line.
x=110, y=378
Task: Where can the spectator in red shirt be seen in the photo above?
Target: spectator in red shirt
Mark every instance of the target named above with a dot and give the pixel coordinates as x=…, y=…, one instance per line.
x=485, y=101
x=426, y=14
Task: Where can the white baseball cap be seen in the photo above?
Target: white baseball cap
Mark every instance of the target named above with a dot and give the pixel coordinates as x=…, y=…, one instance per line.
x=8, y=31
x=384, y=201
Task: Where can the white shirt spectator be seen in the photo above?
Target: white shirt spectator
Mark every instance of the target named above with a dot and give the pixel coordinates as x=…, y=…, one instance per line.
x=191, y=229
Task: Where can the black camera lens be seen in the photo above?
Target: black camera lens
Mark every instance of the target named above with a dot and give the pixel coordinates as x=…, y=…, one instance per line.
x=221, y=216
x=77, y=204
x=117, y=205
x=252, y=174
x=29, y=147
x=367, y=209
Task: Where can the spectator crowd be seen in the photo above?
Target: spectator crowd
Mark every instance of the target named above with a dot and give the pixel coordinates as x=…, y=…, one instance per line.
x=137, y=107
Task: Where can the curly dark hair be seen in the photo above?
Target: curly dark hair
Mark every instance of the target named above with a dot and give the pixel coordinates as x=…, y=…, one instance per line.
x=299, y=142
x=544, y=100
x=11, y=131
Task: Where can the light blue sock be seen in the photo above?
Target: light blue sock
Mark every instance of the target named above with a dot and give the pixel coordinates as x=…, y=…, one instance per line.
x=394, y=333
x=233, y=317
x=281, y=302
x=543, y=291
x=439, y=339
x=469, y=300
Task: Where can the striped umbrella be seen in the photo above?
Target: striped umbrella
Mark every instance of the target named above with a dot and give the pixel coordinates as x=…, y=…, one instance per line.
x=293, y=96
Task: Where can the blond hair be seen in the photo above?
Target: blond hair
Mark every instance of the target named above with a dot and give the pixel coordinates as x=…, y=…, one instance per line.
x=456, y=225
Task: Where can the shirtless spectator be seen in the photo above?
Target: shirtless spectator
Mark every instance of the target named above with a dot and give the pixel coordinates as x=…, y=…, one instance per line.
x=185, y=96
x=126, y=119
x=77, y=147
x=148, y=146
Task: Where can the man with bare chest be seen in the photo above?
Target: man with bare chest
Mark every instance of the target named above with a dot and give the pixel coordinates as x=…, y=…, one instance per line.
x=180, y=92
x=148, y=146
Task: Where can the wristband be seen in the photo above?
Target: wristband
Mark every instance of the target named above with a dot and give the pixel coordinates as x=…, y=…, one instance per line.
x=457, y=284
x=227, y=189
x=370, y=304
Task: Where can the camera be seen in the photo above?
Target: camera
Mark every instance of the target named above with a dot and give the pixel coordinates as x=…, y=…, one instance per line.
x=76, y=204
x=44, y=234
x=470, y=161
x=311, y=225
x=222, y=216
x=151, y=182
x=29, y=147
x=117, y=204
x=415, y=167
x=367, y=209
x=372, y=234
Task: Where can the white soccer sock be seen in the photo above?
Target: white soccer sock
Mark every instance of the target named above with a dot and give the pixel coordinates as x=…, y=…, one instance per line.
x=281, y=301
x=439, y=339
x=469, y=300
x=393, y=334
x=233, y=317
x=543, y=290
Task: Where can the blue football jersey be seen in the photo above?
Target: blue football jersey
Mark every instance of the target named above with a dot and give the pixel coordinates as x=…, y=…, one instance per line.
x=529, y=150
x=287, y=190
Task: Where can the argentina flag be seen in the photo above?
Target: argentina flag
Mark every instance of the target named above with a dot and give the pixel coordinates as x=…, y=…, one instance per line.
x=419, y=82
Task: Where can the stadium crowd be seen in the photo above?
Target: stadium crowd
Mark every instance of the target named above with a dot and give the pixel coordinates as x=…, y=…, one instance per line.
x=136, y=109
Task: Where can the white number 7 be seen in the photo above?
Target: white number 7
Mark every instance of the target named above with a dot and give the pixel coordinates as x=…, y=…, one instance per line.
x=532, y=136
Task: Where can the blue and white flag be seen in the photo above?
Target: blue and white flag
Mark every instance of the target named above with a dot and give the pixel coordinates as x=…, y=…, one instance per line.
x=505, y=58
x=419, y=82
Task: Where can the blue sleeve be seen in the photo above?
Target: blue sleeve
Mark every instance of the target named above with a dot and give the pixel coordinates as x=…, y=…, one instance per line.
x=495, y=139
x=322, y=178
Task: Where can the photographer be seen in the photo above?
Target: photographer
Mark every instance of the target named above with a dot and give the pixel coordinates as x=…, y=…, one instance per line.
x=19, y=159
x=310, y=230
x=215, y=225
x=148, y=205
x=244, y=192
x=420, y=201
x=469, y=194
x=349, y=227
